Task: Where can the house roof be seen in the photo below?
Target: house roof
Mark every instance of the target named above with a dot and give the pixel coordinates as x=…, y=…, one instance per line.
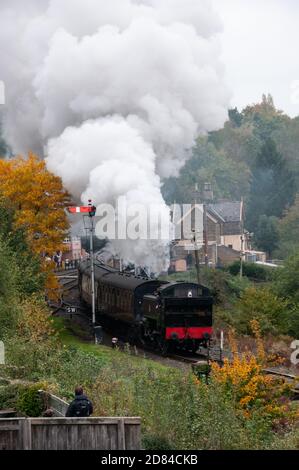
x=224, y=211
x=227, y=211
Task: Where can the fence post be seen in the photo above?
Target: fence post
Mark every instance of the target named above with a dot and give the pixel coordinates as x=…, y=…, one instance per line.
x=121, y=434
x=25, y=430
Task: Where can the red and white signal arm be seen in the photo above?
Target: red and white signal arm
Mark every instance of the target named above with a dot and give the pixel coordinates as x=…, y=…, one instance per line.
x=82, y=210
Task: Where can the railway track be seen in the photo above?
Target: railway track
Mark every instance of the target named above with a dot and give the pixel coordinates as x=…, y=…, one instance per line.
x=68, y=285
x=285, y=375
x=66, y=273
x=212, y=356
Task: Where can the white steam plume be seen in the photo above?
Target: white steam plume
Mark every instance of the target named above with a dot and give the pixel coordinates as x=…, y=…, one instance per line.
x=115, y=92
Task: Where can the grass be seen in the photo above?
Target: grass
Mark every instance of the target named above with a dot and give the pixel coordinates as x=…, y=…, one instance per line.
x=71, y=334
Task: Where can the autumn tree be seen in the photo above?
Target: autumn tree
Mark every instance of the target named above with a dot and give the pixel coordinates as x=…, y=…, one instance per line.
x=38, y=200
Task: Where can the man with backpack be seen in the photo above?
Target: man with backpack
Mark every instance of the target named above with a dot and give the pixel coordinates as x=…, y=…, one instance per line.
x=80, y=406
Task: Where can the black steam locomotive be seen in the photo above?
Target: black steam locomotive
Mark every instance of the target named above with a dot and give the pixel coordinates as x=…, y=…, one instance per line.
x=163, y=314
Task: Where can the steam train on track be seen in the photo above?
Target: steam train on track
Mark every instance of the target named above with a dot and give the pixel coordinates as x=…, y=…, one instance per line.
x=161, y=314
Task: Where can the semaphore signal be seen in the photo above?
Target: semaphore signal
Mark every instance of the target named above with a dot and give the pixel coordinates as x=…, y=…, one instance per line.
x=91, y=211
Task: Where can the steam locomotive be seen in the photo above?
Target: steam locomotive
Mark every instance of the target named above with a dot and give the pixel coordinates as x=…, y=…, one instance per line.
x=163, y=314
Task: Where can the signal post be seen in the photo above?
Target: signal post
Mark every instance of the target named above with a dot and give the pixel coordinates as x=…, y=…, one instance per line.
x=91, y=211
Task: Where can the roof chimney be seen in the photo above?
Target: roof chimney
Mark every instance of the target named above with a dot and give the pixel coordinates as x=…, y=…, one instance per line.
x=208, y=192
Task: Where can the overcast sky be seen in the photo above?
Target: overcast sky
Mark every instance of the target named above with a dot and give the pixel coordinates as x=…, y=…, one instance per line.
x=260, y=45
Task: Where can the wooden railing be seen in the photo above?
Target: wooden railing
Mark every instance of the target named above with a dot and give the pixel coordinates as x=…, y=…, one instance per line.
x=56, y=404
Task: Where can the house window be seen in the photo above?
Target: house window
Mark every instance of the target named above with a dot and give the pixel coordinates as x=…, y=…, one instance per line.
x=230, y=246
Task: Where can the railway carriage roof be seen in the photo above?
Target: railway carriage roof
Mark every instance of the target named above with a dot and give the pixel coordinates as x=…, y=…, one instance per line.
x=113, y=277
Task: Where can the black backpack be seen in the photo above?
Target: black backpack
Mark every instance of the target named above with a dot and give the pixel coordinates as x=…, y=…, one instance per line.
x=82, y=408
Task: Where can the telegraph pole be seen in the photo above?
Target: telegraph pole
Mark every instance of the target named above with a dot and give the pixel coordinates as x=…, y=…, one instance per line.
x=207, y=196
x=196, y=257
x=205, y=234
x=241, y=257
x=242, y=242
x=196, y=251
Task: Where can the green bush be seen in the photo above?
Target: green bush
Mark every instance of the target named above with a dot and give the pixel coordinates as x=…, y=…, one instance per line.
x=30, y=401
x=263, y=305
x=8, y=396
x=24, y=398
x=253, y=271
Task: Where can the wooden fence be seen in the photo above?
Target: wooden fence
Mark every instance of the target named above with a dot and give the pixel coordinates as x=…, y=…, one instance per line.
x=70, y=434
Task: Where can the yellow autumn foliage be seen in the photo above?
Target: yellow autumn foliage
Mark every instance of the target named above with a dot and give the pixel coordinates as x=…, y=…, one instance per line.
x=38, y=200
x=35, y=323
x=242, y=376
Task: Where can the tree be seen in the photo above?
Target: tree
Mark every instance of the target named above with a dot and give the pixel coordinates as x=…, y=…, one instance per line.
x=288, y=231
x=272, y=187
x=287, y=281
x=235, y=117
x=260, y=304
x=286, y=285
x=266, y=235
x=229, y=179
x=8, y=291
x=38, y=200
x=28, y=276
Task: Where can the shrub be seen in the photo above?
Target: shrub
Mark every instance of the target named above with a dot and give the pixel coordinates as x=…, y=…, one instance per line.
x=24, y=398
x=263, y=305
x=30, y=401
x=34, y=321
x=255, y=393
x=253, y=271
x=8, y=396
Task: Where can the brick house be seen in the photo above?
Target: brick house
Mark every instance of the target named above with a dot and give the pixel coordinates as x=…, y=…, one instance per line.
x=225, y=234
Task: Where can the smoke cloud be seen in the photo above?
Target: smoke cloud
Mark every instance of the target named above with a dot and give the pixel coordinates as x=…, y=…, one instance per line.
x=113, y=94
